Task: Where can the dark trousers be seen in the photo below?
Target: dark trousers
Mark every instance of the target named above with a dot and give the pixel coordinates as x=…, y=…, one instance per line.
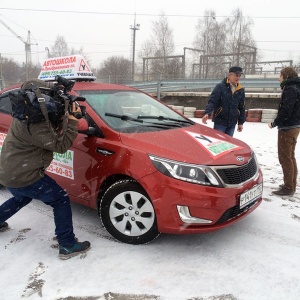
x=287, y=139
x=48, y=191
x=228, y=130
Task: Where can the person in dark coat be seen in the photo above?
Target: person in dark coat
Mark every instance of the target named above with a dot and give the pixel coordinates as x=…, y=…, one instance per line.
x=288, y=124
x=227, y=103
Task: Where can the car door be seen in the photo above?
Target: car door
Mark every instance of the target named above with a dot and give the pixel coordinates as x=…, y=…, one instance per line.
x=76, y=169
x=5, y=117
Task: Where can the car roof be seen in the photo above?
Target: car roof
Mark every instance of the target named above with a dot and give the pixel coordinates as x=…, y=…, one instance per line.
x=88, y=86
x=13, y=87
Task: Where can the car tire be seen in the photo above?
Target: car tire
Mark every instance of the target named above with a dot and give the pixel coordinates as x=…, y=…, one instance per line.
x=127, y=213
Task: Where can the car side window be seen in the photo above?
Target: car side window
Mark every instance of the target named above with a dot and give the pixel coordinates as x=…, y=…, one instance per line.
x=5, y=104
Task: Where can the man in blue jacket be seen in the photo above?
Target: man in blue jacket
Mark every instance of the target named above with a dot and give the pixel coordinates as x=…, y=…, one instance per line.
x=227, y=103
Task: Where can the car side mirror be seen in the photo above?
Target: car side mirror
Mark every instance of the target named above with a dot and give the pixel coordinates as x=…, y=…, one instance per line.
x=84, y=128
x=82, y=125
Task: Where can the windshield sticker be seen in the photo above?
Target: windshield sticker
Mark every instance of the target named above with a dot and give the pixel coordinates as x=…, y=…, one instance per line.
x=214, y=146
x=63, y=164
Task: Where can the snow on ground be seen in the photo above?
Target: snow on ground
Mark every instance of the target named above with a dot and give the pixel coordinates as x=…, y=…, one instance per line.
x=257, y=258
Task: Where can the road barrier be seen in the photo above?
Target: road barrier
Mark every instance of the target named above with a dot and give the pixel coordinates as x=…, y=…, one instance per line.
x=156, y=88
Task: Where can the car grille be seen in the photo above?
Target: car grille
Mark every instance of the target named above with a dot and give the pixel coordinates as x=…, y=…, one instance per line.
x=234, y=212
x=239, y=174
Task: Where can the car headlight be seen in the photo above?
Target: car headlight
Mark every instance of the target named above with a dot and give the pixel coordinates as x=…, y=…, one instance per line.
x=186, y=172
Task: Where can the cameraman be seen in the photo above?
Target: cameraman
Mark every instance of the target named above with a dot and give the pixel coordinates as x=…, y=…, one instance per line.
x=26, y=153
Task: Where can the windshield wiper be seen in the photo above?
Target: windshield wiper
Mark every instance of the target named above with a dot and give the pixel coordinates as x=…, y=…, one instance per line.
x=150, y=124
x=162, y=118
x=124, y=117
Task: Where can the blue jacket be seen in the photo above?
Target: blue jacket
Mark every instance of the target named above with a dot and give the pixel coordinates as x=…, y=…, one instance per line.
x=227, y=108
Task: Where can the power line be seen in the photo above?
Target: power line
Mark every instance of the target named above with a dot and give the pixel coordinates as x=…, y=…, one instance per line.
x=277, y=41
x=139, y=14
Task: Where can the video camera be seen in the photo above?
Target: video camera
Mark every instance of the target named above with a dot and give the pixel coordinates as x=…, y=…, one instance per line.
x=61, y=89
x=29, y=102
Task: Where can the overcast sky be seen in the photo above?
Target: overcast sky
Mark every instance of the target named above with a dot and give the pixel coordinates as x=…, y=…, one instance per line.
x=103, y=27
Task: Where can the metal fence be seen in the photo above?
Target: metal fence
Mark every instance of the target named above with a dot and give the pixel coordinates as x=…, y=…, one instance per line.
x=270, y=85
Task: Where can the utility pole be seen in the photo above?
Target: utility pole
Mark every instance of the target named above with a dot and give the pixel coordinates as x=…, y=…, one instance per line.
x=134, y=28
x=239, y=44
x=47, y=49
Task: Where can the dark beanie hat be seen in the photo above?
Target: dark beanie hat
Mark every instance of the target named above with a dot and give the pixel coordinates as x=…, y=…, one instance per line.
x=238, y=70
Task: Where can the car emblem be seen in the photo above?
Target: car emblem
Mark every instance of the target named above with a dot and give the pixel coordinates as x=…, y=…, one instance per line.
x=240, y=158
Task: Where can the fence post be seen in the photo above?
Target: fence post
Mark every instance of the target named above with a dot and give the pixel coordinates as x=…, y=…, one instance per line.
x=158, y=90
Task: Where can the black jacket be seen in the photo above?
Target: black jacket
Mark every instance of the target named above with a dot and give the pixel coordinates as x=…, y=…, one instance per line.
x=289, y=107
x=227, y=108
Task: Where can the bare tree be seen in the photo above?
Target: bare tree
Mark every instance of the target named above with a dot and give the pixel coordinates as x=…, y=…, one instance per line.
x=147, y=50
x=227, y=42
x=11, y=72
x=209, y=37
x=156, y=52
x=115, y=69
x=61, y=48
x=240, y=41
x=162, y=37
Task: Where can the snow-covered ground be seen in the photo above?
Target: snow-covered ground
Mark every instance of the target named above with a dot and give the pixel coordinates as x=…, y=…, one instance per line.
x=256, y=259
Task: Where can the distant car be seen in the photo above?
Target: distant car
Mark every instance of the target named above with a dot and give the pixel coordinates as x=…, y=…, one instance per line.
x=147, y=169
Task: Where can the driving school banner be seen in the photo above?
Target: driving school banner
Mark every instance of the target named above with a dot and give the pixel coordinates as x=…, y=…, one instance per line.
x=71, y=67
x=63, y=164
x=2, y=138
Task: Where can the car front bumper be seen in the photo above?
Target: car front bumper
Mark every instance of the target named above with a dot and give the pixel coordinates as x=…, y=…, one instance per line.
x=183, y=208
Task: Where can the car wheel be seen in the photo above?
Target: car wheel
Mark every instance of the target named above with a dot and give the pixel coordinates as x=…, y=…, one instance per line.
x=128, y=214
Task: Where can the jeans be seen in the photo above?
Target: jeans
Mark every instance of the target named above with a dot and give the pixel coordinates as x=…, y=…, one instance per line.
x=287, y=139
x=48, y=191
x=228, y=130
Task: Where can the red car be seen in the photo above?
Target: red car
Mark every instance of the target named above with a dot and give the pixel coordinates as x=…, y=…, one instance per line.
x=146, y=168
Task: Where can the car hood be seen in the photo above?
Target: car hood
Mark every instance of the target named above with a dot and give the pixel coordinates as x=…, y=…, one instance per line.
x=196, y=144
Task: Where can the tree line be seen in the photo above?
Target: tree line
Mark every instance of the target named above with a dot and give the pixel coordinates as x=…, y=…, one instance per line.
x=217, y=46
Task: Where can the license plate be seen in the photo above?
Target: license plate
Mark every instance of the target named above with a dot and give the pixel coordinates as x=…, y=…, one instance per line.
x=250, y=195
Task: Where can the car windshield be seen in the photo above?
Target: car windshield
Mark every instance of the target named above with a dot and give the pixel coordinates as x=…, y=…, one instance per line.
x=133, y=111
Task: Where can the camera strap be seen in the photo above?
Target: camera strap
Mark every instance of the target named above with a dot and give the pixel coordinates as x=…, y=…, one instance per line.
x=65, y=117
x=41, y=101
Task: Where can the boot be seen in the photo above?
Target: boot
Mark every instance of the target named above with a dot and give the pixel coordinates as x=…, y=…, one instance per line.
x=3, y=227
x=71, y=251
x=284, y=192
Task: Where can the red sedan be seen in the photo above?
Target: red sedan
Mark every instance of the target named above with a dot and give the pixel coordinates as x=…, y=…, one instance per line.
x=147, y=169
